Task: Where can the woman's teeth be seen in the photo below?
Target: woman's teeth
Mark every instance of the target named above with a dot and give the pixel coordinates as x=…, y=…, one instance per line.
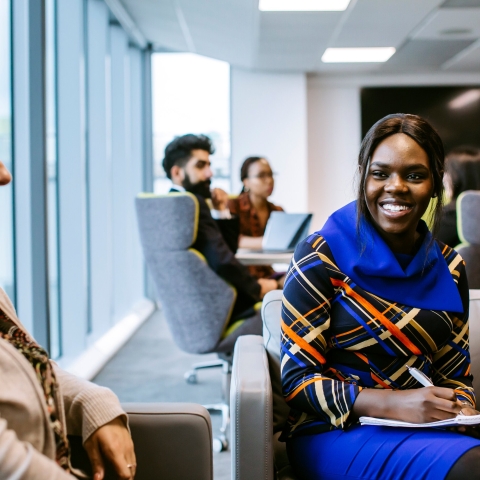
x=395, y=208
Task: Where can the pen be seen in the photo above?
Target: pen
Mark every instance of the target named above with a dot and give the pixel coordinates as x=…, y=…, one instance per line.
x=419, y=376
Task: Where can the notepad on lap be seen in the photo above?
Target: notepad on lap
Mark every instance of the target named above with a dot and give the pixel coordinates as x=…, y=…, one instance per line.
x=451, y=422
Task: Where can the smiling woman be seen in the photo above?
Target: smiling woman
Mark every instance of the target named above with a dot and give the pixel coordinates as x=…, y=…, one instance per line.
x=366, y=297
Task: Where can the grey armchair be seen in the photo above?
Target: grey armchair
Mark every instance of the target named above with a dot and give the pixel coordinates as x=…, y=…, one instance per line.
x=197, y=303
x=468, y=226
x=258, y=410
x=173, y=441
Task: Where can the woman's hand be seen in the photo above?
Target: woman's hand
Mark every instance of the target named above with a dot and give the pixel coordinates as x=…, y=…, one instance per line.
x=472, y=431
x=420, y=405
x=112, y=442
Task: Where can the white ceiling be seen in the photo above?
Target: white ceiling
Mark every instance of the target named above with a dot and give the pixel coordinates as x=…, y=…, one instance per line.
x=430, y=35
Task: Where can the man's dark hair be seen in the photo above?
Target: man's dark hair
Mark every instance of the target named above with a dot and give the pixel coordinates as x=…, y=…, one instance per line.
x=179, y=150
x=417, y=129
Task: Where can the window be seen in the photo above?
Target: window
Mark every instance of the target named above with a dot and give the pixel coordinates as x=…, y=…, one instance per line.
x=52, y=178
x=191, y=94
x=7, y=279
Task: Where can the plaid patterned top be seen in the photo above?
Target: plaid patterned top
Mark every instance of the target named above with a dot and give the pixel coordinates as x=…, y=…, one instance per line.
x=338, y=338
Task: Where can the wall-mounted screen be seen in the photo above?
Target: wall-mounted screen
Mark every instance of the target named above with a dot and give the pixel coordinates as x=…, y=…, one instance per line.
x=453, y=111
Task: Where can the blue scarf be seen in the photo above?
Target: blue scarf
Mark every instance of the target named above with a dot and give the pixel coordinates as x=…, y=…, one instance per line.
x=426, y=281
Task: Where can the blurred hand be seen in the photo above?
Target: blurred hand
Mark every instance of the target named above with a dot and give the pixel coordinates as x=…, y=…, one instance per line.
x=219, y=199
x=267, y=285
x=112, y=443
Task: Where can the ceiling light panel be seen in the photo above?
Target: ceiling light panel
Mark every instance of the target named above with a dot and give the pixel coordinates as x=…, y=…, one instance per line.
x=358, y=55
x=303, y=5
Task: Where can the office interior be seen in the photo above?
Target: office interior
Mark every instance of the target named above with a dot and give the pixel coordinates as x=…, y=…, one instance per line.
x=81, y=131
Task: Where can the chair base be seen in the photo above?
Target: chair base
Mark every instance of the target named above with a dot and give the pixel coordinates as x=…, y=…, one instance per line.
x=220, y=442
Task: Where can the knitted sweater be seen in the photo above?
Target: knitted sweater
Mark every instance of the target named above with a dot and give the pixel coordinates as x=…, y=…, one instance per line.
x=27, y=447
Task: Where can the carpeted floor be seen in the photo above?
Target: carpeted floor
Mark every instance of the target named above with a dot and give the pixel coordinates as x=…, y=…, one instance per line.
x=150, y=368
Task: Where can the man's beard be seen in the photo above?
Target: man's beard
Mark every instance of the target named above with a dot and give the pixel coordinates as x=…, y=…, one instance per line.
x=200, y=188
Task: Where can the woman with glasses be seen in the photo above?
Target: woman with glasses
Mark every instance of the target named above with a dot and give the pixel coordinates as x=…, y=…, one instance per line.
x=253, y=208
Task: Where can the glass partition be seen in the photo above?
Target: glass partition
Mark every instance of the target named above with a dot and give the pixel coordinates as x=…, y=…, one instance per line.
x=7, y=278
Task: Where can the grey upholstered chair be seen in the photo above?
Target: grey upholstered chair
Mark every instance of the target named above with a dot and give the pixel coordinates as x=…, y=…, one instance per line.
x=468, y=226
x=197, y=303
x=258, y=409
x=173, y=441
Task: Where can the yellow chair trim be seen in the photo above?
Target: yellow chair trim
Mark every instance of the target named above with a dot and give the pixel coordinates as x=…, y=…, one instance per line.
x=458, y=207
x=232, y=328
x=145, y=195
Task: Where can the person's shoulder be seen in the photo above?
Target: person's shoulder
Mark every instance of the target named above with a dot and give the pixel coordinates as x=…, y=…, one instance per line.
x=275, y=208
x=451, y=256
x=316, y=245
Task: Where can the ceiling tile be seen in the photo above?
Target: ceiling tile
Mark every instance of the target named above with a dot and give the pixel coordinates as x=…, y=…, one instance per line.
x=158, y=22
x=451, y=23
x=424, y=55
x=300, y=38
x=468, y=60
x=377, y=23
x=461, y=3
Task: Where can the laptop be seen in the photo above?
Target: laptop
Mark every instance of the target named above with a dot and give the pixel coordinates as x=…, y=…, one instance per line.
x=285, y=230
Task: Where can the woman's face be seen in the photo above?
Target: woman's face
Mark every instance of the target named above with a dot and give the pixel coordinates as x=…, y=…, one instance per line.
x=5, y=176
x=398, y=186
x=260, y=179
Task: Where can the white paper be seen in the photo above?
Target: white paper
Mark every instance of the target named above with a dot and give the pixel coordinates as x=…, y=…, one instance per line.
x=452, y=422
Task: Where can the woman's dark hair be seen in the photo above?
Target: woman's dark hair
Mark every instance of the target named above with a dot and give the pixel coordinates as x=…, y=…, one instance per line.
x=179, y=150
x=417, y=129
x=248, y=162
x=463, y=167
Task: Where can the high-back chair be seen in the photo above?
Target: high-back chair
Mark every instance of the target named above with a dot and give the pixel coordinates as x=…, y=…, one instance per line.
x=196, y=302
x=468, y=226
x=258, y=410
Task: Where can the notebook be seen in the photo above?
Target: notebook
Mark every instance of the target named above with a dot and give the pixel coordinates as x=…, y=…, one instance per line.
x=285, y=230
x=451, y=422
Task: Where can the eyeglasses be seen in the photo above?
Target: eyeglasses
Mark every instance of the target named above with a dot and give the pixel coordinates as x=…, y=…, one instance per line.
x=264, y=176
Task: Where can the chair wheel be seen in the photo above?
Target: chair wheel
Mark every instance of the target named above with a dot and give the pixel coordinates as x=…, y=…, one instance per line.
x=220, y=444
x=191, y=377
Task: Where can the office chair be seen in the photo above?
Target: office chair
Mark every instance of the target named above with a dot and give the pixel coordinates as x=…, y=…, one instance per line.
x=173, y=441
x=468, y=226
x=197, y=303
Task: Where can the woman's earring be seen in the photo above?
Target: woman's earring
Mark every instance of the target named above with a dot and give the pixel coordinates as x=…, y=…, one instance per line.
x=434, y=195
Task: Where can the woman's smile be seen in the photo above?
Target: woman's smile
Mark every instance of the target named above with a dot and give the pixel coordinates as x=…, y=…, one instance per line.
x=398, y=188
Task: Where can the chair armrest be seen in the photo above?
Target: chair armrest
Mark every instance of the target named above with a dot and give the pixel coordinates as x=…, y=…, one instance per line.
x=251, y=411
x=173, y=441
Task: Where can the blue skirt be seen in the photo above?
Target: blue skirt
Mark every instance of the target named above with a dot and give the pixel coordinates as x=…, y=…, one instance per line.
x=374, y=453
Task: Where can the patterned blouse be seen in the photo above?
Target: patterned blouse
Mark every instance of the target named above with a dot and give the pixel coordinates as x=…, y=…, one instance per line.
x=38, y=358
x=338, y=338
x=250, y=226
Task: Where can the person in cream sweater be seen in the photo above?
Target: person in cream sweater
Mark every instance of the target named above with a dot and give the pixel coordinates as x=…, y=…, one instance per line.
x=40, y=404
